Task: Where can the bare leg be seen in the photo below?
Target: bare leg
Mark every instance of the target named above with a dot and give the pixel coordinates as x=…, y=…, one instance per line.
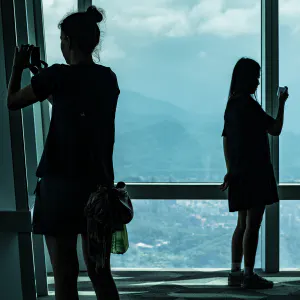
x=103, y=282
x=250, y=242
x=64, y=260
x=237, y=238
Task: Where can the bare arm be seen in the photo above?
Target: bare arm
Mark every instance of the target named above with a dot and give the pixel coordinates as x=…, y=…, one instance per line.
x=277, y=126
x=18, y=98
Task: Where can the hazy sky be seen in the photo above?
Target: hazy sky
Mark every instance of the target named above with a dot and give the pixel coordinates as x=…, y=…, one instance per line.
x=183, y=51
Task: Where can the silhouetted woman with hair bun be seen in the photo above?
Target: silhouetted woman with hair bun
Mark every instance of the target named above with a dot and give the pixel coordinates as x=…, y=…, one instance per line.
x=78, y=151
x=250, y=175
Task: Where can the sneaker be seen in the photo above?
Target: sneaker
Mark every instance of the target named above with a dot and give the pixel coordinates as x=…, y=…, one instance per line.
x=235, y=278
x=256, y=282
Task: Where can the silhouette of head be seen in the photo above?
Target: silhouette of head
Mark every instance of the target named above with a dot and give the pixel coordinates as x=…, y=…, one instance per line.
x=245, y=77
x=80, y=32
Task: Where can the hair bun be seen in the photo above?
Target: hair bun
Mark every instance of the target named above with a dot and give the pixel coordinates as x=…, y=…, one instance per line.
x=93, y=12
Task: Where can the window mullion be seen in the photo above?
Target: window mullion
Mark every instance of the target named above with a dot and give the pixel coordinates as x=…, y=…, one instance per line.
x=270, y=61
x=84, y=4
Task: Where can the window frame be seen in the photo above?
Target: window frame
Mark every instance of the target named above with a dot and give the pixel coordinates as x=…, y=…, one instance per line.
x=270, y=69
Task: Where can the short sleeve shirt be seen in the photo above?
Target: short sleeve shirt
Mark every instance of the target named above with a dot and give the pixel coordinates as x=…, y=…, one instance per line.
x=245, y=126
x=89, y=91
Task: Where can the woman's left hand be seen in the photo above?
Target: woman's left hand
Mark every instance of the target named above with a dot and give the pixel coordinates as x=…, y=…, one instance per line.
x=225, y=184
x=22, y=56
x=283, y=96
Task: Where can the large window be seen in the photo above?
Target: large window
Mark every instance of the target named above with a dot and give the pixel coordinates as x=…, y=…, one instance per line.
x=174, y=61
x=289, y=64
x=180, y=234
x=289, y=234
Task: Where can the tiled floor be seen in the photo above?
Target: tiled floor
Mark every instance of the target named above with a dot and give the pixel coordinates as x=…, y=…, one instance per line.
x=179, y=285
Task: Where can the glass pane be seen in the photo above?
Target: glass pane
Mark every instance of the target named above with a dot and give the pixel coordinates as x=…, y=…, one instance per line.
x=174, y=61
x=289, y=63
x=289, y=234
x=180, y=234
x=54, y=11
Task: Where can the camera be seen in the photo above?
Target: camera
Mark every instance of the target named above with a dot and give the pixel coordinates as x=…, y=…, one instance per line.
x=35, y=57
x=282, y=90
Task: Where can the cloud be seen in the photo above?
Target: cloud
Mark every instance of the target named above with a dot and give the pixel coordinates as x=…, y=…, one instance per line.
x=289, y=8
x=180, y=18
x=230, y=22
x=54, y=12
x=111, y=50
x=156, y=21
x=289, y=14
x=160, y=18
x=202, y=54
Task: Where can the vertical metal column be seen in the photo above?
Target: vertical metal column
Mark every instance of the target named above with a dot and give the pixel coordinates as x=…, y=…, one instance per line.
x=27, y=113
x=25, y=240
x=8, y=12
x=37, y=37
x=84, y=4
x=41, y=119
x=270, y=69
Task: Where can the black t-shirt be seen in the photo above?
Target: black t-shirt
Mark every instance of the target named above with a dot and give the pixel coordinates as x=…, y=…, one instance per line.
x=82, y=129
x=246, y=125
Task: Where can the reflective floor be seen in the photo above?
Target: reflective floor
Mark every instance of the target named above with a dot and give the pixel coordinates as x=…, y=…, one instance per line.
x=189, y=284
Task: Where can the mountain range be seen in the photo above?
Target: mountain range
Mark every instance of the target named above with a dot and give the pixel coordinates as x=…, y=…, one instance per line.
x=159, y=141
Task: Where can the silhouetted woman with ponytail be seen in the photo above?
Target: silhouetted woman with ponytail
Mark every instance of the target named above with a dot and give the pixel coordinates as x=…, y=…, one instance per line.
x=250, y=175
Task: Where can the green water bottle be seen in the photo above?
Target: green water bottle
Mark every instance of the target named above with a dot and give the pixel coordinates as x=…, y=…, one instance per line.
x=120, y=243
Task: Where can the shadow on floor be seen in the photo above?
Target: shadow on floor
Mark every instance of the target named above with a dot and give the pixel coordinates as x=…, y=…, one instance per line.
x=180, y=285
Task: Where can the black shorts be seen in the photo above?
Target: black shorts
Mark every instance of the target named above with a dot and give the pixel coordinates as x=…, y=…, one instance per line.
x=246, y=192
x=59, y=205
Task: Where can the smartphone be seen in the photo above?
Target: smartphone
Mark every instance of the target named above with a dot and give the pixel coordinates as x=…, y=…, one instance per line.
x=36, y=57
x=282, y=90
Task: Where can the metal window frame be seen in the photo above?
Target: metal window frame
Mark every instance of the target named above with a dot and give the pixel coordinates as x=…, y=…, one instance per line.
x=270, y=71
x=13, y=17
x=180, y=190
x=41, y=117
x=40, y=122
x=37, y=37
x=197, y=191
x=271, y=230
x=84, y=4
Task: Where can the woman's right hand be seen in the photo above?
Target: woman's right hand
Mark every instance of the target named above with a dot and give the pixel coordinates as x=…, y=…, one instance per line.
x=225, y=184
